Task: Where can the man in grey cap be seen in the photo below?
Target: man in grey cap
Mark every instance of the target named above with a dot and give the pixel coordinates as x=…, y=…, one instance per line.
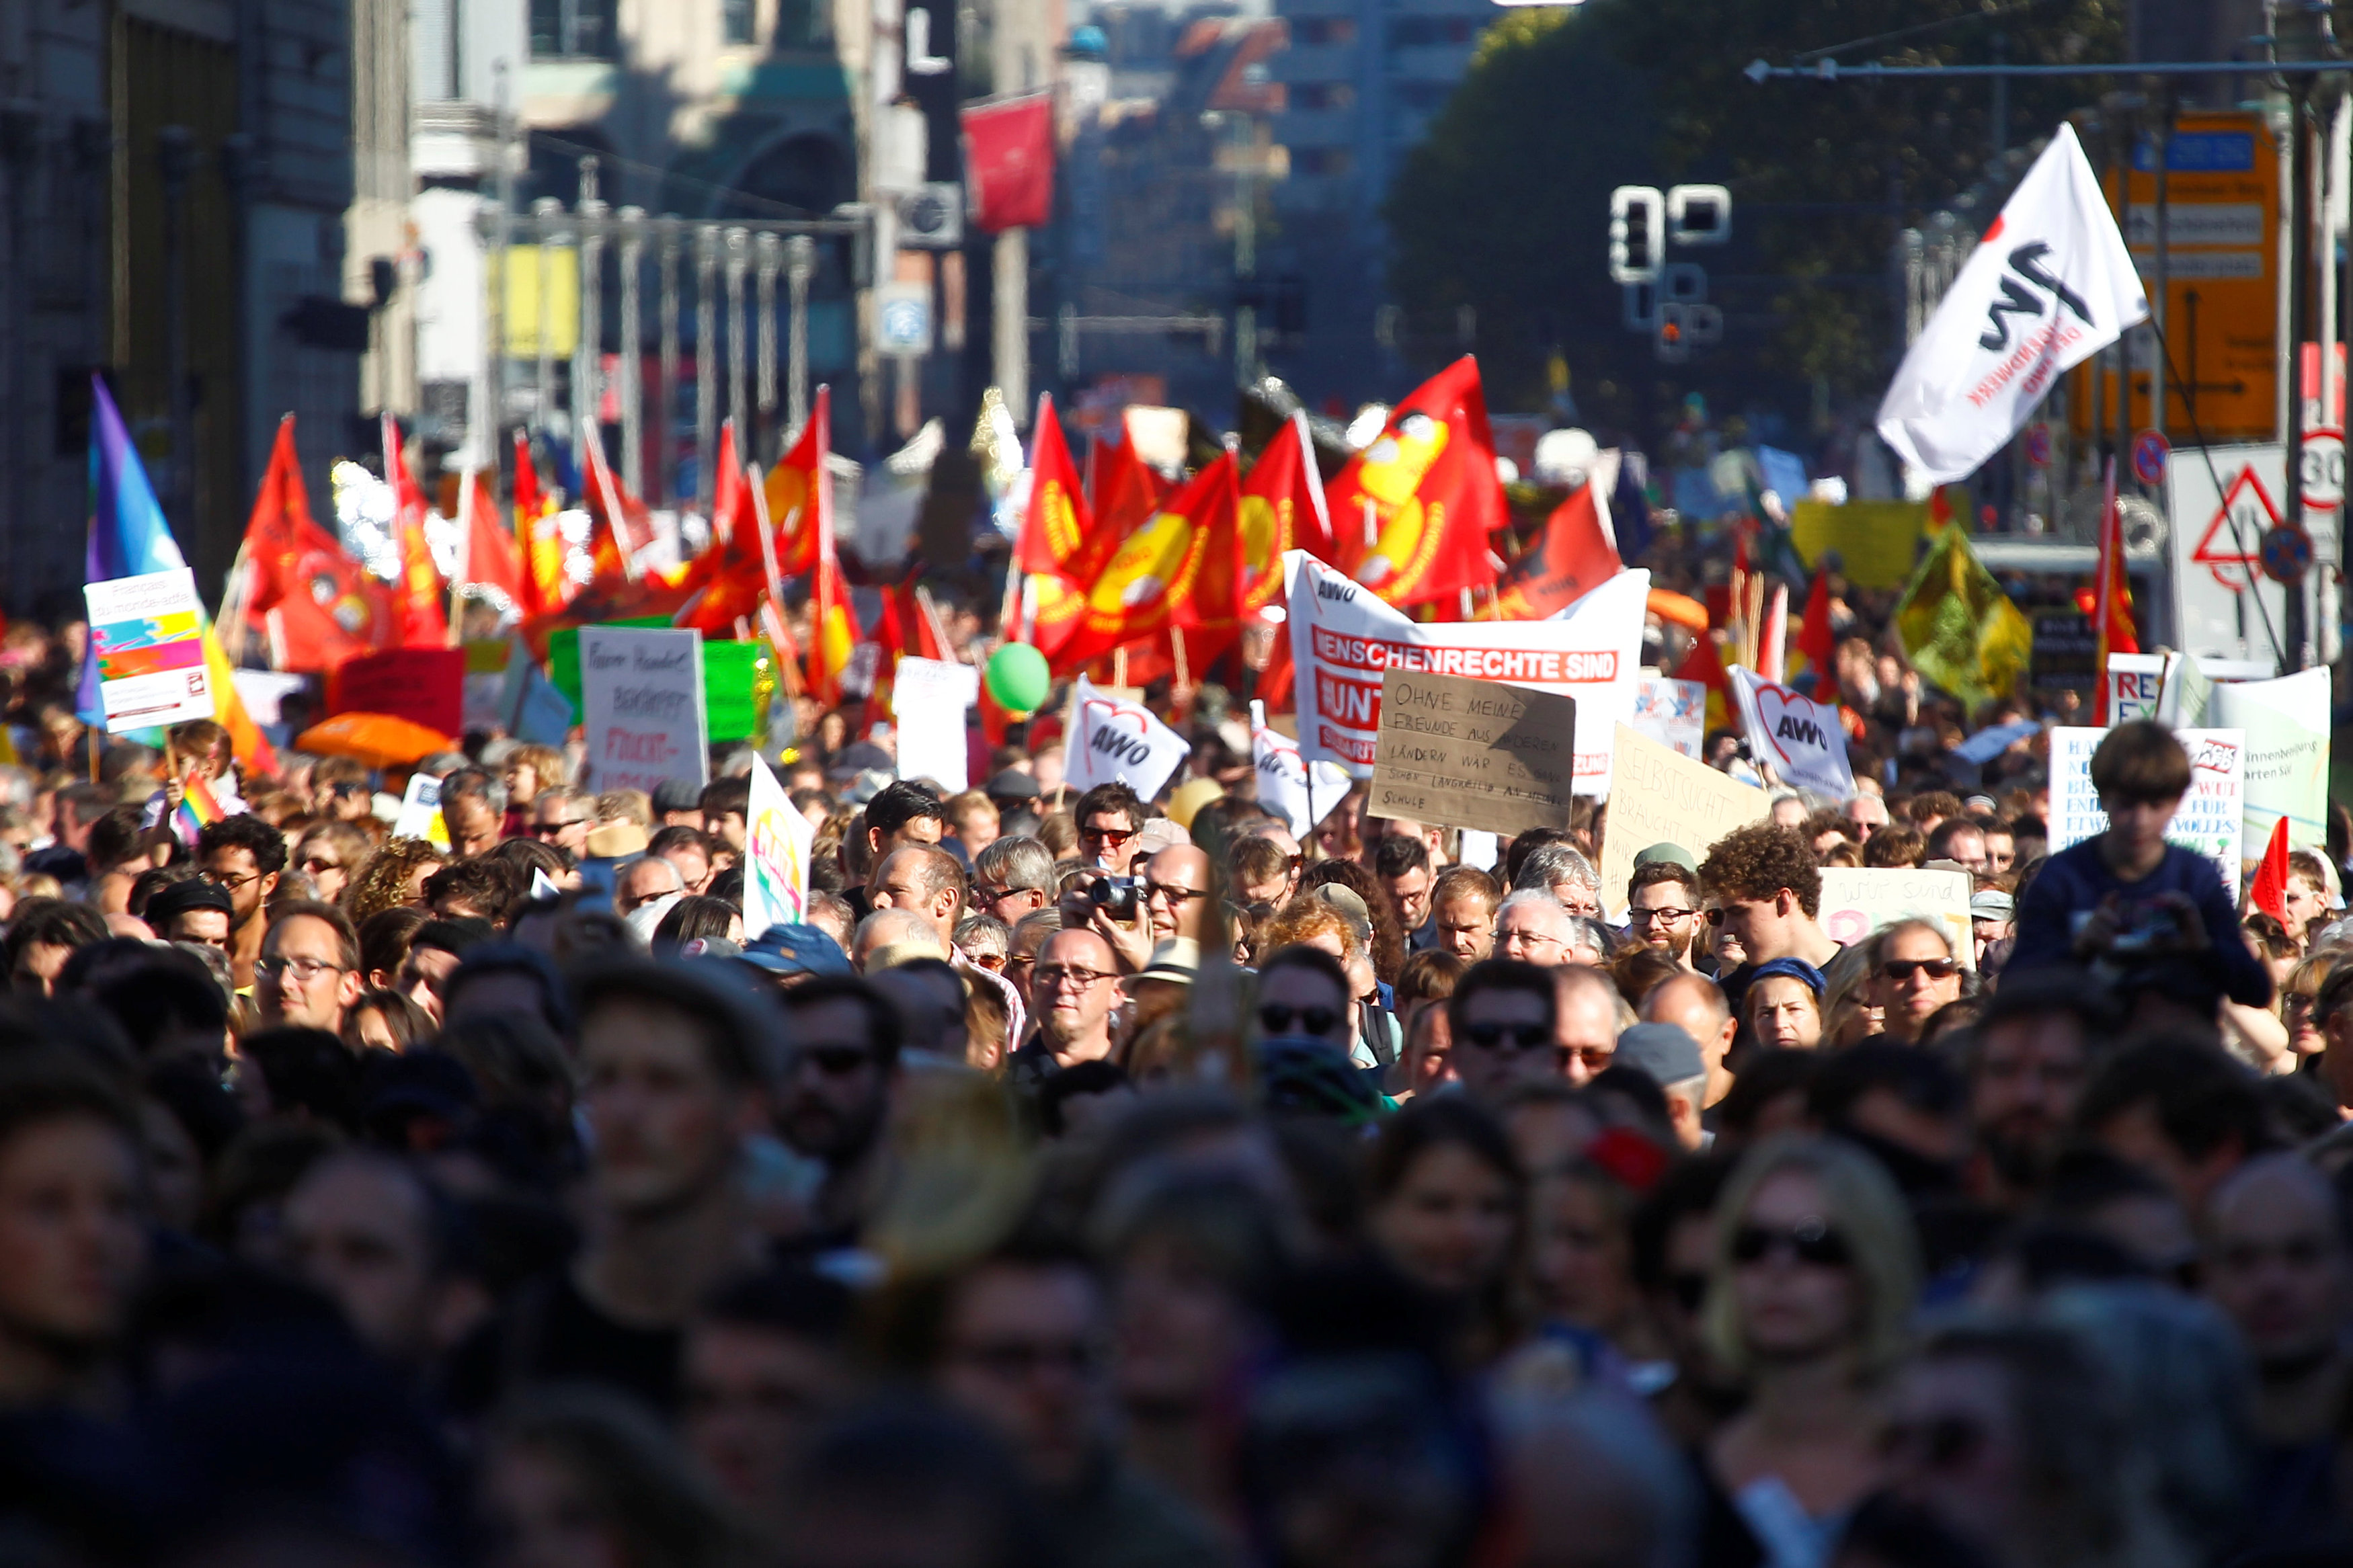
x=1991, y=912
x=1670, y=1058
x=677, y=802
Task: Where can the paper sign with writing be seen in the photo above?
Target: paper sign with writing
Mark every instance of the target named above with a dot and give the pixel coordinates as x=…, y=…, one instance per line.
x=1660, y=796
x=929, y=697
x=2212, y=816
x=1473, y=753
x=2135, y=682
x=641, y=692
x=2286, y=726
x=1114, y=739
x=776, y=840
x=1671, y=713
x=147, y=634
x=1858, y=901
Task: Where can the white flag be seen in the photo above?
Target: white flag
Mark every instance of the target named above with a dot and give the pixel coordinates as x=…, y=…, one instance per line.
x=1282, y=778
x=1800, y=739
x=1114, y=739
x=2049, y=285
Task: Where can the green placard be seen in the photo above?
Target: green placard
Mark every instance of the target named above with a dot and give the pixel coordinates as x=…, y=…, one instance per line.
x=726, y=677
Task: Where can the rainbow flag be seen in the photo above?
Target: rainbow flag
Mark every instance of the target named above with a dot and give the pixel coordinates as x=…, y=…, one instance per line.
x=198, y=810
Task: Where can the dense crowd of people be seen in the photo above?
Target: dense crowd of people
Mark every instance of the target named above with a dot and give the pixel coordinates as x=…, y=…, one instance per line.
x=1116, y=1183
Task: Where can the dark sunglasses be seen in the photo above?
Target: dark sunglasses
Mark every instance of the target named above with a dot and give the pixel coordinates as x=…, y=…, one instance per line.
x=1523, y=1036
x=1689, y=1290
x=1276, y=1019
x=1902, y=968
x=1115, y=836
x=1809, y=1241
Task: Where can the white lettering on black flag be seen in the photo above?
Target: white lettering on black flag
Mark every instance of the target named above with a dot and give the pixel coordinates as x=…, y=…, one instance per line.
x=2049, y=285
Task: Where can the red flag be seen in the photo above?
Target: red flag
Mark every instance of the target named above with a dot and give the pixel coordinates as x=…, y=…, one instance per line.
x=546, y=588
x=1009, y=159
x=1430, y=486
x=1161, y=576
x=417, y=595
x=790, y=488
x=2269, y=890
x=731, y=576
x=620, y=525
x=2112, y=617
x=833, y=630
x=1282, y=508
x=1123, y=495
x=1817, y=641
x=314, y=604
x=1571, y=558
x=1057, y=523
x=490, y=562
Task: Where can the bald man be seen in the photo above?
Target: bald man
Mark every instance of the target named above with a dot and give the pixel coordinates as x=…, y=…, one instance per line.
x=2277, y=1266
x=887, y=930
x=1073, y=990
x=643, y=881
x=1585, y=1020
x=924, y=882
x=1694, y=1004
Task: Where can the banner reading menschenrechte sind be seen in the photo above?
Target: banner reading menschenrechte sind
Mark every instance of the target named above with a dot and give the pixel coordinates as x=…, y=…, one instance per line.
x=1343, y=637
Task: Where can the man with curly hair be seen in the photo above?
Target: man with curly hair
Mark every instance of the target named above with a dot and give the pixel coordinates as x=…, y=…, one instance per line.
x=1766, y=890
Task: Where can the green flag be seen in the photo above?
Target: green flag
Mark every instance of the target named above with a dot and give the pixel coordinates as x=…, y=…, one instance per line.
x=1957, y=628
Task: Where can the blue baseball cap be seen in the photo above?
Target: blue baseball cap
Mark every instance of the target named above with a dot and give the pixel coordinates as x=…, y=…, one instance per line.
x=788, y=948
x=1796, y=969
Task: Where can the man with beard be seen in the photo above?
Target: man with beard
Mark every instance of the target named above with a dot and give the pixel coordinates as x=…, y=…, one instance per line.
x=1664, y=911
x=836, y=1097
x=2033, y=1055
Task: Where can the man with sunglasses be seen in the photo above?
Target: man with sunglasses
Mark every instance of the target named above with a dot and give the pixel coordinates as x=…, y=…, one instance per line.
x=1176, y=893
x=1502, y=1017
x=839, y=1073
x=2150, y=917
x=1912, y=973
x=1073, y=991
x=1109, y=817
x=1011, y=878
x=559, y=818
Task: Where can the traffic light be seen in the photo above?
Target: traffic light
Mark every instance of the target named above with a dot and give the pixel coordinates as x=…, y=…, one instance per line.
x=1674, y=335
x=1699, y=215
x=1638, y=231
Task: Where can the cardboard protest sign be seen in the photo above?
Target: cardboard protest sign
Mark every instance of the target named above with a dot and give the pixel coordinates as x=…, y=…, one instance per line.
x=1111, y=738
x=2287, y=725
x=776, y=843
x=1342, y=639
x=1473, y=753
x=642, y=693
x=1671, y=713
x=1660, y=796
x=147, y=635
x=2212, y=813
x=2136, y=682
x=1800, y=739
x=420, y=812
x=929, y=697
x=1282, y=778
x=1858, y=901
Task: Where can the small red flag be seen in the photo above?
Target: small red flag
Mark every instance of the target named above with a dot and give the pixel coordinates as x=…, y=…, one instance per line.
x=1817, y=642
x=1009, y=159
x=2269, y=892
x=1573, y=558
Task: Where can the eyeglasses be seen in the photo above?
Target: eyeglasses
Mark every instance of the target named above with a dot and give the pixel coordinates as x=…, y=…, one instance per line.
x=1010, y=1359
x=1811, y=1240
x=1021, y=961
x=1054, y=977
x=1113, y=837
x=1276, y=1019
x=315, y=864
x=551, y=829
x=1901, y=970
x=1529, y=939
x=1177, y=897
x=223, y=879
x=1523, y=1036
x=2298, y=999
x=306, y=970
x=990, y=893
x=1664, y=916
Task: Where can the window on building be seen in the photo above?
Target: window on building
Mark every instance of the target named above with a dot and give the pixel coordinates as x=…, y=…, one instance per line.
x=735, y=21
x=573, y=29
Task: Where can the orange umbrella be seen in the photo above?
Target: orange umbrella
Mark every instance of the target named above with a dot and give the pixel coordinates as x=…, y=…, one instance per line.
x=379, y=740
x=1678, y=608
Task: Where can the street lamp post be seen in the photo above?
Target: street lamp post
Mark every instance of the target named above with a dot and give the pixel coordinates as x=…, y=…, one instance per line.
x=800, y=265
x=632, y=366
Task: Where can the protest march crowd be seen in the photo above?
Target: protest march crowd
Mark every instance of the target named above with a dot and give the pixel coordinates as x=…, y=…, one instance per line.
x=1189, y=1165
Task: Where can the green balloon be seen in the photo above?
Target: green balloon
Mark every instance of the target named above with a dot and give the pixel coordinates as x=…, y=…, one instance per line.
x=1017, y=678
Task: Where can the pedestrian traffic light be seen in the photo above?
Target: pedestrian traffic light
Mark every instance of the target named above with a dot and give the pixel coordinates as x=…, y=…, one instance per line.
x=1674, y=336
x=1638, y=229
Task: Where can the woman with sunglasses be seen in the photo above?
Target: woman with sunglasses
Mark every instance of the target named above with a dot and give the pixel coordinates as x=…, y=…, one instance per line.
x=1815, y=1274
x=1912, y=973
x=1447, y=1201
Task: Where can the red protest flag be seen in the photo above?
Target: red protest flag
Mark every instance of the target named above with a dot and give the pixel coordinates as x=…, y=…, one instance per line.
x=1009, y=159
x=728, y=579
x=833, y=629
x=2269, y=890
x=1282, y=508
x=491, y=564
x=1817, y=641
x=1412, y=512
x=1162, y=569
x=2112, y=616
x=1570, y=558
x=310, y=599
x=545, y=587
x=1123, y=495
x=791, y=488
x=417, y=595
x=1057, y=523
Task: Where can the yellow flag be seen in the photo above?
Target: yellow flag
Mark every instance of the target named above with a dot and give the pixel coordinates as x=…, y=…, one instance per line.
x=1957, y=628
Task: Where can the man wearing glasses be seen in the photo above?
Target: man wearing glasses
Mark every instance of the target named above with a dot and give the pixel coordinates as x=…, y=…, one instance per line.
x=1502, y=1017
x=1109, y=817
x=560, y=820
x=1013, y=877
x=1073, y=990
x=309, y=972
x=242, y=856
x=1532, y=926
x=1663, y=907
x=835, y=1099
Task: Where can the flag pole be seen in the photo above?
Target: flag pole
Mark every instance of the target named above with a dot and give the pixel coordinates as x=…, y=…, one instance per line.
x=465, y=561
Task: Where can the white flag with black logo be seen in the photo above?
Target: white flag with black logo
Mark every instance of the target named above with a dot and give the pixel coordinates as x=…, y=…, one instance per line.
x=2048, y=286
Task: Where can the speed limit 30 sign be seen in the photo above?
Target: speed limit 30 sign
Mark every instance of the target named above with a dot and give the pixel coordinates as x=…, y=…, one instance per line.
x=2323, y=468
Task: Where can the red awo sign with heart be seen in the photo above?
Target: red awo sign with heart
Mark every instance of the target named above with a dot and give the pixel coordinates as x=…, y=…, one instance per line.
x=1110, y=738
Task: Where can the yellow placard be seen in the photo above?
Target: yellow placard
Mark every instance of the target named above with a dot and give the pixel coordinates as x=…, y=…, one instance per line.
x=523, y=279
x=1876, y=539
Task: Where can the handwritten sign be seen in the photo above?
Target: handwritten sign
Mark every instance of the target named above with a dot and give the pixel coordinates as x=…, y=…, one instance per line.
x=1858, y=901
x=2212, y=814
x=2286, y=724
x=929, y=697
x=1473, y=753
x=641, y=692
x=778, y=840
x=147, y=634
x=1657, y=795
x=1671, y=713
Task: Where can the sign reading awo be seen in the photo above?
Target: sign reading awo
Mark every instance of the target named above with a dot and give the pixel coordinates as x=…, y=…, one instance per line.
x=1473, y=753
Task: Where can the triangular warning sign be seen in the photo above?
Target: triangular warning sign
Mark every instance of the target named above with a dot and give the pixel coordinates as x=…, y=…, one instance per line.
x=2232, y=546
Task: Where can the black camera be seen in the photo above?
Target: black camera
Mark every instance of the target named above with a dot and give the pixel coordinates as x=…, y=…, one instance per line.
x=1118, y=897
